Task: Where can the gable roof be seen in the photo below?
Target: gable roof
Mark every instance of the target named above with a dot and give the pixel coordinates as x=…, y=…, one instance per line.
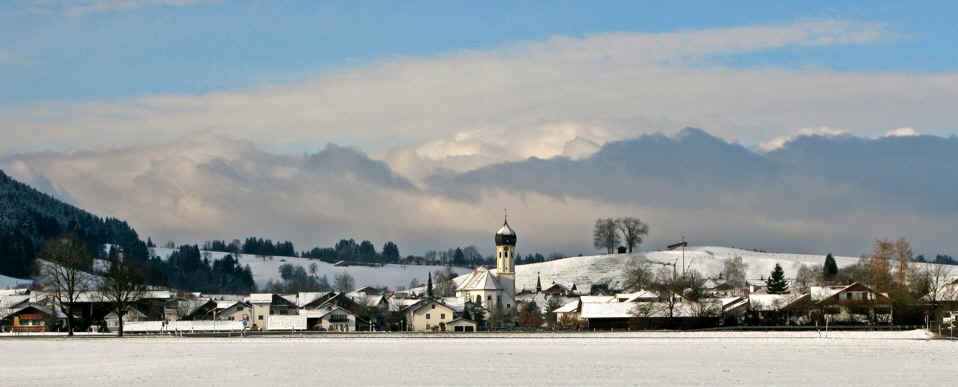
x=424, y=303
x=480, y=279
x=568, y=308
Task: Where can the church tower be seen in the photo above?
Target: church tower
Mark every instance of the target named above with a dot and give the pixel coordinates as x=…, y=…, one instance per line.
x=506, y=257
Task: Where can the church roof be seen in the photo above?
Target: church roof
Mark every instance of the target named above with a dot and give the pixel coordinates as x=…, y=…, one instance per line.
x=480, y=279
x=506, y=236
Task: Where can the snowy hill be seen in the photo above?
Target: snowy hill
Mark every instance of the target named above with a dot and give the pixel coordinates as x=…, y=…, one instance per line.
x=267, y=268
x=708, y=260
x=14, y=283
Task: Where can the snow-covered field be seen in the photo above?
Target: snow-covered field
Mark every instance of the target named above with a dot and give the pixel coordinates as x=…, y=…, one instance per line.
x=267, y=268
x=654, y=358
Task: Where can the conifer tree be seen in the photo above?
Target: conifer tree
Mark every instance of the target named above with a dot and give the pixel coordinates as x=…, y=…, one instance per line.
x=429, y=286
x=776, y=282
x=830, y=270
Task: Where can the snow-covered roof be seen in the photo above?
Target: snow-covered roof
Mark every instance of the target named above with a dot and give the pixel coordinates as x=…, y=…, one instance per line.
x=635, y=296
x=597, y=299
x=610, y=310
x=768, y=302
x=13, y=300
x=480, y=279
x=819, y=293
x=261, y=298
x=568, y=308
x=396, y=304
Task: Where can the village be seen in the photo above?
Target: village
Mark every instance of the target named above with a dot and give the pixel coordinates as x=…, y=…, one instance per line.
x=486, y=299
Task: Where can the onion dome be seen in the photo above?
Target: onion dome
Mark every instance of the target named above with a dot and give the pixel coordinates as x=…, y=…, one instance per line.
x=506, y=236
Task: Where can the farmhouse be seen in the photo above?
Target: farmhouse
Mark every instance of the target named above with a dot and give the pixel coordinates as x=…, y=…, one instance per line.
x=428, y=315
x=855, y=303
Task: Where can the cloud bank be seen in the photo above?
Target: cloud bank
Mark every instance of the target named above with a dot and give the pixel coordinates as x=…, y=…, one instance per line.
x=816, y=193
x=598, y=88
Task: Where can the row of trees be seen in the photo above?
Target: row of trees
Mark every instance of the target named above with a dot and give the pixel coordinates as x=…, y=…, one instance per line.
x=294, y=279
x=65, y=269
x=609, y=233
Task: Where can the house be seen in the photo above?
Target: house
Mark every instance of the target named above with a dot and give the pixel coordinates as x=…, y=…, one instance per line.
x=768, y=308
x=131, y=315
x=196, y=309
x=332, y=318
x=266, y=305
x=855, y=303
x=560, y=289
x=28, y=318
x=233, y=311
x=428, y=315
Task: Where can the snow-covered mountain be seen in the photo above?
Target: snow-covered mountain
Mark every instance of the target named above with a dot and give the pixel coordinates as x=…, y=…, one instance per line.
x=708, y=260
x=267, y=268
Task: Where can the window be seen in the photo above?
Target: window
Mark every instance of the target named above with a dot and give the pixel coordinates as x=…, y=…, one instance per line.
x=508, y=306
x=427, y=316
x=488, y=298
x=442, y=316
x=434, y=306
x=260, y=317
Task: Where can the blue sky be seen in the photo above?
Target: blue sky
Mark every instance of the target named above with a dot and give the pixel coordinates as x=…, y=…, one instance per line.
x=65, y=54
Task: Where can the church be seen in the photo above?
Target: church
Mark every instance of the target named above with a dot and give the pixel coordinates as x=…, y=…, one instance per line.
x=493, y=289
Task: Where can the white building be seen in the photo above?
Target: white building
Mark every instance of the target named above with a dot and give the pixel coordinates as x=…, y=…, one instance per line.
x=493, y=289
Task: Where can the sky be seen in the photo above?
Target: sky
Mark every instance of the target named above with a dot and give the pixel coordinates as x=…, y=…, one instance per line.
x=420, y=121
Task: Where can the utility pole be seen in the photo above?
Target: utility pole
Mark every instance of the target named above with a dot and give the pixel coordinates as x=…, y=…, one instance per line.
x=683, y=255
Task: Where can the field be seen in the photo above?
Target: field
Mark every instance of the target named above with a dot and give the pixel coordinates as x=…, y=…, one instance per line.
x=654, y=358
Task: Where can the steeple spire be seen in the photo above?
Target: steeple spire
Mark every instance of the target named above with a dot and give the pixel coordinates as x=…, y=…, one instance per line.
x=505, y=216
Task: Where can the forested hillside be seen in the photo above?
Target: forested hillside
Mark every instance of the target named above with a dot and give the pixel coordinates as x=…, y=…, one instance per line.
x=29, y=217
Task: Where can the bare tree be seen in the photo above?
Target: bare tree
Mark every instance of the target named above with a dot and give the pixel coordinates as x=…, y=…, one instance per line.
x=938, y=278
x=605, y=236
x=638, y=274
x=122, y=287
x=632, y=230
x=62, y=271
x=669, y=287
x=734, y=271
x=445, y=286
x=903, y=256
x=344, y=282
x=806, y=278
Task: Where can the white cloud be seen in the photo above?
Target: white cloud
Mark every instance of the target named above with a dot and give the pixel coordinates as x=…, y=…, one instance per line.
x=776, y=143
x=902, y=132
x=622, y=84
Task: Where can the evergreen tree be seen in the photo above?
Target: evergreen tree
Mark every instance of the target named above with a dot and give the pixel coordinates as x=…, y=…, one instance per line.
x=429, y=286
x=830, y=270
x=776, y=282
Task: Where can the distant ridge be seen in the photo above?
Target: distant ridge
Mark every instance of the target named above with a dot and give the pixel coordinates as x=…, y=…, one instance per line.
x=29, y=217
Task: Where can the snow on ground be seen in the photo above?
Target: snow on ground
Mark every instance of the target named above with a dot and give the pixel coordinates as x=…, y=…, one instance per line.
x=654, y=358
x=14, y=283
x=708, y=260
x=266, y=268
